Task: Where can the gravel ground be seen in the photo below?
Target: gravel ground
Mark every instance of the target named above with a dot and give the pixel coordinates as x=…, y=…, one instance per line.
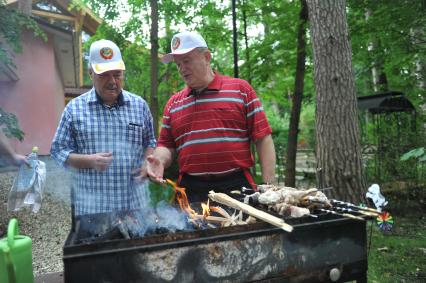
x=48, y=228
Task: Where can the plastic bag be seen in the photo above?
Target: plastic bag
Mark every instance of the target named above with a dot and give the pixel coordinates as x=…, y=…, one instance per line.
x=28, y=186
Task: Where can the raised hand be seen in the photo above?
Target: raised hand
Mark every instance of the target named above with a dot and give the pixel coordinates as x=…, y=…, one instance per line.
x=155, y=169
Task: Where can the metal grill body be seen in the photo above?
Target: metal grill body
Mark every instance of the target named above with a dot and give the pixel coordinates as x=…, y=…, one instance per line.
x=249, y=253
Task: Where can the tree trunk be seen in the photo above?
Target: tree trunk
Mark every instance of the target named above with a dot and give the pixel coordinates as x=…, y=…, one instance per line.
x=247, y=51
x=338, y=149
x=290, y=174
x=247, y=63
x=234, y=37
x=154, y=63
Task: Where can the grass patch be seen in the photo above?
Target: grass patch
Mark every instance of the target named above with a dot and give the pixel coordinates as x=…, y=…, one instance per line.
x=400, y=255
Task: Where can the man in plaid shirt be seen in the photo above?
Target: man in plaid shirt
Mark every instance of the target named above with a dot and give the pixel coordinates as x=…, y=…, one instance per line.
x=105, y=134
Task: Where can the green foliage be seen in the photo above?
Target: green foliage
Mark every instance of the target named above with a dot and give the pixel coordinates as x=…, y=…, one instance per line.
x=279, y=123
x=269, y=60
x=417, y=153
x=307, y=125
x=12, y=22
x=389, y=34
x=10, y=125
x=419, y=156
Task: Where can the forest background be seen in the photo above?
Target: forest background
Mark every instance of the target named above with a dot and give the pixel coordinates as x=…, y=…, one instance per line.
x=388, y=54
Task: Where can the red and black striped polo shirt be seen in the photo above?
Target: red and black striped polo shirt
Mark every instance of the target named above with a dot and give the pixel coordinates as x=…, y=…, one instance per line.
x=212, y=130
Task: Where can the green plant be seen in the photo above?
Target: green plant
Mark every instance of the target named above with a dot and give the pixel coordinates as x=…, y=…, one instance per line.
x=417, y=153
x=10, y=125
x=307, y=125
x=12, y=22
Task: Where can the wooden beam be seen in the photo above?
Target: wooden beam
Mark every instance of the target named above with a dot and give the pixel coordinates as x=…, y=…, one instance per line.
x=259, y=214
x=79, y=22
x=53, y=16
x=65, y=3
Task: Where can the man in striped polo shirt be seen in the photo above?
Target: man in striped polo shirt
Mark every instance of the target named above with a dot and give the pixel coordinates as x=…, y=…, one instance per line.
x=210, y=124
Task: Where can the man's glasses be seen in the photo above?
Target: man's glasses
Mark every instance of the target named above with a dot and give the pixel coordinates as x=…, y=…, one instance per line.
x=116, y=76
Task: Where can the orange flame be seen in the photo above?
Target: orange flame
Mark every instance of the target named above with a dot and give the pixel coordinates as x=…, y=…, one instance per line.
x=206, y=209
x=182, y=199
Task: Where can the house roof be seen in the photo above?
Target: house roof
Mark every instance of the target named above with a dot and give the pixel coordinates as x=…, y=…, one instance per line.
x=81, y=15
x=386, y=102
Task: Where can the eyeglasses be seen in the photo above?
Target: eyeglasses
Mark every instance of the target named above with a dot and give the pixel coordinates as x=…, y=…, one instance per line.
x=116, y=76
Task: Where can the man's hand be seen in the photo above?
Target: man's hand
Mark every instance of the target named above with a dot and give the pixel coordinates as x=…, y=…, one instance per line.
x=139, y=174
x=101, y=160
x=155, y=169
x=19, y=159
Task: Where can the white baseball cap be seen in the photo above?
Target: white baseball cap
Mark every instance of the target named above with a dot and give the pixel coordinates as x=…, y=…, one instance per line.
x=105, y=56
x=183, y=43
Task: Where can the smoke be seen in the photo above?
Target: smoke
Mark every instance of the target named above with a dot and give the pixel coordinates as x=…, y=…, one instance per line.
x=114, y=195
x=154, y=218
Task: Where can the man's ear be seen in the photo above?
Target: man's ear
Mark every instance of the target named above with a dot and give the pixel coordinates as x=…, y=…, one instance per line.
x=90, y=73
x=208, y=56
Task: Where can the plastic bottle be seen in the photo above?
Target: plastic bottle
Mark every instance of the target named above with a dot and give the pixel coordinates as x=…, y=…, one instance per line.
x=27, y=188
x=26, y=174
x=161, y=192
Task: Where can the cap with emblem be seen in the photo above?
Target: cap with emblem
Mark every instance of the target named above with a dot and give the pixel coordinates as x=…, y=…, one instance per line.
x=182, y=43
x=105, y=56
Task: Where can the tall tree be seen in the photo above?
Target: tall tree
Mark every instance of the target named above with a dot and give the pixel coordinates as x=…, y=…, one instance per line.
x=290, y=174
x=338, y=148
x=154, y=62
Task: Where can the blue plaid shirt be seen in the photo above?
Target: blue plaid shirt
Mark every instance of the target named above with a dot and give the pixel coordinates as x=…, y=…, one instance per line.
x=87, y=127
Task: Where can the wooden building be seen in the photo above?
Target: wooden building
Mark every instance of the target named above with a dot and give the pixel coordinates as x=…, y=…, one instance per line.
x=48, y=72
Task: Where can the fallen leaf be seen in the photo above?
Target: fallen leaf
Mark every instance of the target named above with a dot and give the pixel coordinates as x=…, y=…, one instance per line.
x=383, y=249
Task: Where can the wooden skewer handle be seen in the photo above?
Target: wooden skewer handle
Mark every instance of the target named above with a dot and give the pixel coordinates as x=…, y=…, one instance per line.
x=229, y=201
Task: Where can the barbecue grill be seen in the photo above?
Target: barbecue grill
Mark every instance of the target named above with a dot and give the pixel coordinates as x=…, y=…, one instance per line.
x=325, y=248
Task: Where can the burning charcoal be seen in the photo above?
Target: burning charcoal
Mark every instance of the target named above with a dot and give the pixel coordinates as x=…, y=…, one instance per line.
x=161, y=230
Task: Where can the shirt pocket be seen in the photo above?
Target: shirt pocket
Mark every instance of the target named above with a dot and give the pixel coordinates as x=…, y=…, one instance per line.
x=134, y=133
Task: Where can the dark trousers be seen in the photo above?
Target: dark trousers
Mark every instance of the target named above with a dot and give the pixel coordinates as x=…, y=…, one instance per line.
x=197, y=188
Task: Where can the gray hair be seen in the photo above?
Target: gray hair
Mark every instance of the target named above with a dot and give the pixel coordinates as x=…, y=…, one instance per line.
x=202, y=50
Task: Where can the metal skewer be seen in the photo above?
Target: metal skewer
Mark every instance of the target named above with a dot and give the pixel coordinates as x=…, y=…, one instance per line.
x=355, y=211
x=341, y=214
x=339, y=202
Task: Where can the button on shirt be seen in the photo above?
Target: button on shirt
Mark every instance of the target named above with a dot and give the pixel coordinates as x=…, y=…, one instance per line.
x=88, y=126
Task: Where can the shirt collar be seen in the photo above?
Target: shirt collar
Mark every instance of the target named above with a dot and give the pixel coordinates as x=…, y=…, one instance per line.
x=94, y=97
x=215, y=84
